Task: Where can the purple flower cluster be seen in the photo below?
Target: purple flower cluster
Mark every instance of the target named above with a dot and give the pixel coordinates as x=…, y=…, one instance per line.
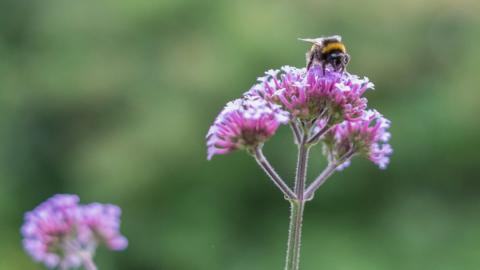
x=335, y=96
x=60, y=232
x=326, y=102
x=244, y=123
x=368, y=137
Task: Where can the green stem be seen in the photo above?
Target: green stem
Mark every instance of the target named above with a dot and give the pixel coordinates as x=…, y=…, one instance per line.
x=302, y=162
x=277, y=180
x=297, y=206
x=295, y=235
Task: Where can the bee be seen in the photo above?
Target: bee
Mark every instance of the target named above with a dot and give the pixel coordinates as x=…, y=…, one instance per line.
x=327, y=51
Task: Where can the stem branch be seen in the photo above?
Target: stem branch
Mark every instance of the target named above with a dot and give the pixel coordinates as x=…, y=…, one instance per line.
x=320, y=180
x=277, y=180
x=329, y=170
x=319, y=134
x=296, y=132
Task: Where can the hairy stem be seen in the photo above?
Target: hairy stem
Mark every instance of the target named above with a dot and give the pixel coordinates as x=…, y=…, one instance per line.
x=277, y=180
x=294, y=235
x=302, y=162
x=296, y=132
x=87, y=261
x=297, y=206
x=320, y=180
x=314, y=139
x=329, y=170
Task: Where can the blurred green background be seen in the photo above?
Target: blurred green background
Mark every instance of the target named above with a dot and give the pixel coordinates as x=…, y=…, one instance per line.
x=111, y=100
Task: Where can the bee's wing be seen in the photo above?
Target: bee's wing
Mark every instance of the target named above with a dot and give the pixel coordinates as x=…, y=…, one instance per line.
x=312, y=40
x=317, y=41
x=320, y=40
x=337, y=37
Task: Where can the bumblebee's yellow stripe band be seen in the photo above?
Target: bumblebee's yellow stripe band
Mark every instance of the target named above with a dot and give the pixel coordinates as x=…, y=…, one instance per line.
x=334, y=46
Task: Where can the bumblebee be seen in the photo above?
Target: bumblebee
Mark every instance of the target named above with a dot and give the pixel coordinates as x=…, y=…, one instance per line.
x=327, y=51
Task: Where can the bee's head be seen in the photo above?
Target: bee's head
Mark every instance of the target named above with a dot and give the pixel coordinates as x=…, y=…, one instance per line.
x=338, y=60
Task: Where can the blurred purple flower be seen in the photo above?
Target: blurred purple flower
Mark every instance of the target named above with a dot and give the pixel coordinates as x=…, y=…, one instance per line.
x=103, y=221
x=61, y=233
x=244, y=123
x=312, y=95
x=368, y=137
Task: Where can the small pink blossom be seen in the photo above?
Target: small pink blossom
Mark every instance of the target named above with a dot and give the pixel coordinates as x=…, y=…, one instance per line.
x=103, y=221
x=368, y=137
x=60, y=232
x=244, y=123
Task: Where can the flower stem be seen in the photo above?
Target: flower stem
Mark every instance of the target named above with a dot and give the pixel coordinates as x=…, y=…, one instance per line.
x=297, y=206
x=294, y=235
x=296, y=132
x=303, y=150
x=310, y=191
x=327, y=172
x=316, y=137
x=277, y=180
x=87, y=261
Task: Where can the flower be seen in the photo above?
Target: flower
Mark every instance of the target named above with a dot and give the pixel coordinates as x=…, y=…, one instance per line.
x=103, y=221
x=46, y=228
x=244, y=123
x=368, y=137
x=311, y=95
x=60, y=232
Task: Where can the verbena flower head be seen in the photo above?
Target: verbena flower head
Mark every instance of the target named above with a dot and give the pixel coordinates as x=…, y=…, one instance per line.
x=59, y=231
x=244, y=124
x=367, y=136
x=309, y=95
x=102, y=222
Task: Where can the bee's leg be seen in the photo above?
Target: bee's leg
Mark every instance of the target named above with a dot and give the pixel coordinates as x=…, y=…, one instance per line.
x=310, y=57
x=347, y=59
x=324, y=65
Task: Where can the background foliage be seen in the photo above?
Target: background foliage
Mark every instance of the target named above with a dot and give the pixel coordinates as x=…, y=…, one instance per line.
x=112, y=99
